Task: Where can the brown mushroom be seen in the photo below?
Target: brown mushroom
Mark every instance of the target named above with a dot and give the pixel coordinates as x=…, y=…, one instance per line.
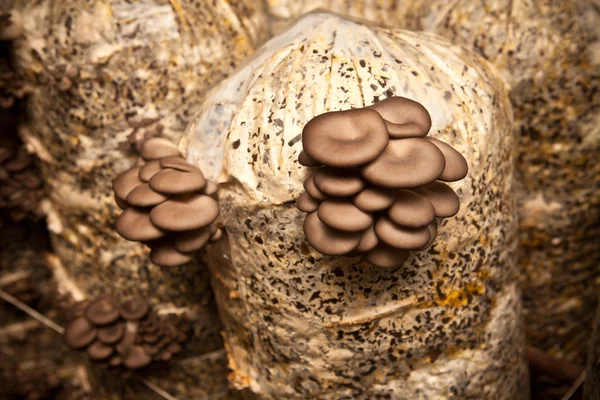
x=158, y=148
x=327, y=240
x=456, y=166
x=374, y=199
x=399, y=236
x=368, y=240
x=344, y=216
x=102, y=311
x=134, y=309
x=126, y=182
x=345, y=138
x=406, y=163
x=306, y=203
x=304, y=159
x=312, y=190
x=444, y=199
x=136, y=358
x=148, y=170
x=79, y=333
x=111, y=334
x=99, y=351
x=165, y=254
x=136, y=225
x=185, y=212
x=144, y=196
x=386, y=256
x=411, y=210
x=338, y=182
x=405, y=118
x=178, y=163
x=190, y=241
x=172, y=181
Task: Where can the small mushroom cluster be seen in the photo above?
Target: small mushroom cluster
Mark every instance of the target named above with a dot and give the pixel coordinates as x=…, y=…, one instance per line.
x=375, y=190
x=167, y=203
x=129, y=335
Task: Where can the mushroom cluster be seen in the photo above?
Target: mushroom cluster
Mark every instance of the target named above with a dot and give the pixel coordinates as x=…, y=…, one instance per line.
x=375, y=190
x=129, y=334
x=167, y=203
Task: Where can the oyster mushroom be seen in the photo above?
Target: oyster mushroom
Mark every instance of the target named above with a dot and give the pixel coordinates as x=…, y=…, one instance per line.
x=401, y=237
x=374, y=199
x=144, y=196
x=404, y=118
x=134, y=309
x=311, y=189
x=344, y=216
x=136, y=225
x=158, y=148
x=327, y=240
x=456, y=166
x=386, y=256
x=102, y=311
x=345, y=138
x=406, y=163
x=111, y=334
x=306, y=203
x=80, y=333
x=444, y=199
x=173, y=181
x=185, y=212
x=411, y=210
x=338, y=182
x=148, y=170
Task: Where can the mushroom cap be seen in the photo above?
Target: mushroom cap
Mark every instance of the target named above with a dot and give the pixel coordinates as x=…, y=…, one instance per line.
x=79, y=333
x=344, y=216
x=327, y=240
x=444, y=199
x=338, y=182
x=407, y=118
x=374, y=199
x=103, y=310
x=136, y=225
x=148, y=170
x=134, y=309
x=115, y=361
x=304, y=159
x=185, y=212
x=178, y=163
x=386, y=256
x=406, y=163
x=191, y=241
x=456, y=166
x=144, y=196
x=158, y=148
x=306, y=203
x=311, y=189
x=433, y=232
x=122, y=204
x=399, y=236
x=172, y=181
x=99, y=350
x=345, y=138
x=125, y=182
x=368, y=240
x=136, y=358
x=111, y=334
x=165, y=254
x=411, y=210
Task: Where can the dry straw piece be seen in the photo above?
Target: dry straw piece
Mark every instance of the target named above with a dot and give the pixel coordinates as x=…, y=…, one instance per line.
x=168, y=204
x=396, y=195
